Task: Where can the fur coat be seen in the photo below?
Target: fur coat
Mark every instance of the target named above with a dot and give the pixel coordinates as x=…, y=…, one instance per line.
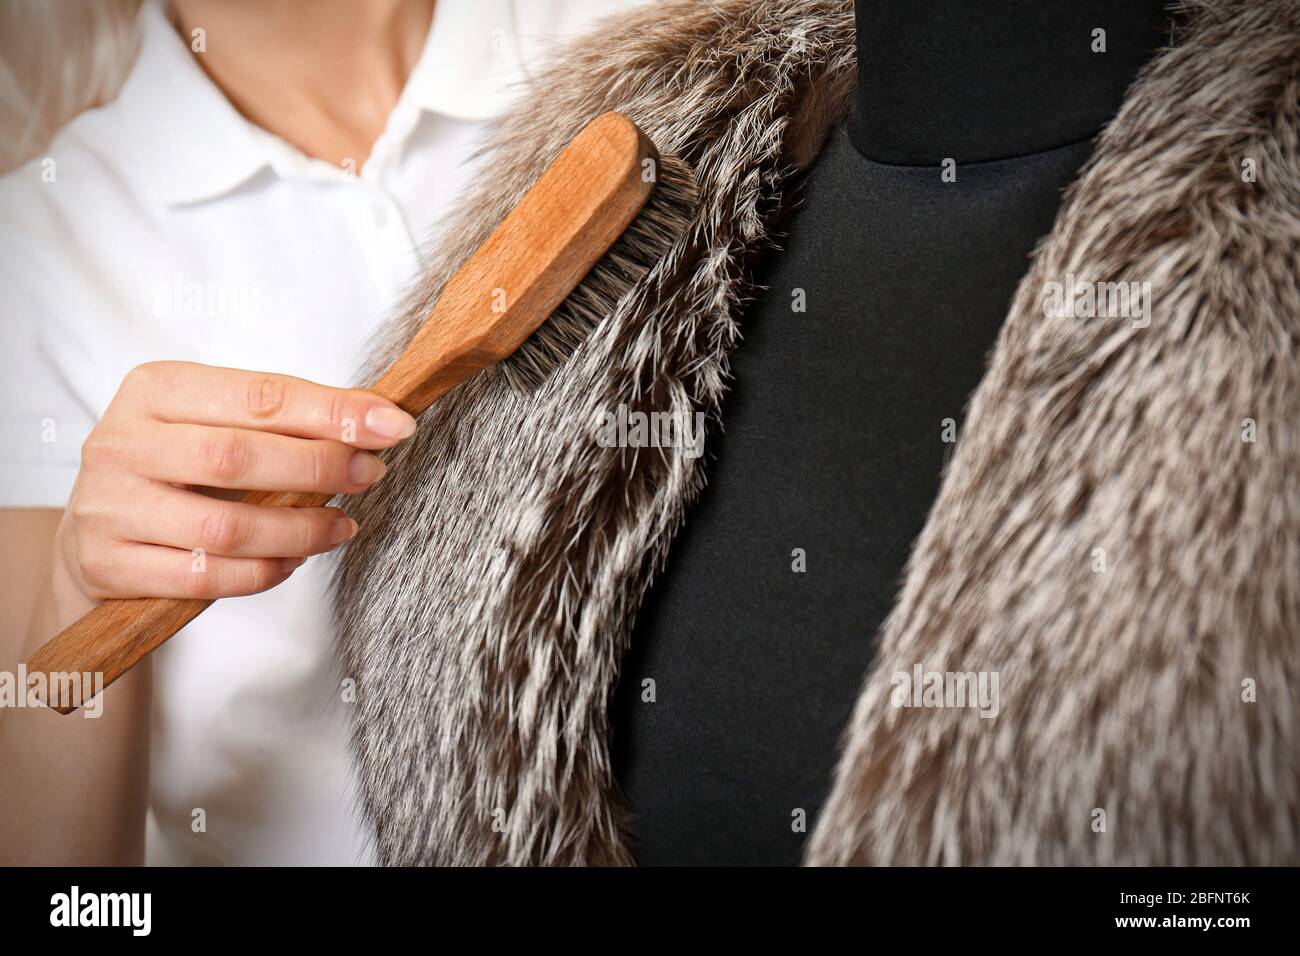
x=1117, y=534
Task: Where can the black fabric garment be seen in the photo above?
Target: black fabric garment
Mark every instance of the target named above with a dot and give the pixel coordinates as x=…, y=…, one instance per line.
x=994, y=79
x=834, y=444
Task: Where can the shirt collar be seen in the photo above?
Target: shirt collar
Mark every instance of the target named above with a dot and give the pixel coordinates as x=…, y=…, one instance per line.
x=470, y=67
x=481, y=52
x=184, y=142
x=180, y=136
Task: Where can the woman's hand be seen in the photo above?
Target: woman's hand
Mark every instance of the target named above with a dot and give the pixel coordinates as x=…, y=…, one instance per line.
x=134, y=525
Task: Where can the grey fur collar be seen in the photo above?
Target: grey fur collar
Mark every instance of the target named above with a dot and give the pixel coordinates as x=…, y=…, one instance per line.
x=487, y=602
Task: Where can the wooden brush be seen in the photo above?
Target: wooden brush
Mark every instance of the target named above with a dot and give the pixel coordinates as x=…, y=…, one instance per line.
x=568, y=251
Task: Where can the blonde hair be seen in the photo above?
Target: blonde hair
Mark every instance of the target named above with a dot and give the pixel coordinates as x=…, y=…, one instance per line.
x=57, y=60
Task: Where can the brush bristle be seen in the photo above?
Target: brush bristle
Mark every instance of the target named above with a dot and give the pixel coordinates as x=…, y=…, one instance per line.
x=661, y=222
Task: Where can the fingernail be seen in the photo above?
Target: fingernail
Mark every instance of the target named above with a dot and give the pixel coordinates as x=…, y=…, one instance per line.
x=365, y=468
x=289, y=565
x=390, y=423
x=343, y=529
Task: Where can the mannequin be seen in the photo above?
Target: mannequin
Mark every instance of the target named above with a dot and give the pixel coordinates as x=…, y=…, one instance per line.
x=848, y=392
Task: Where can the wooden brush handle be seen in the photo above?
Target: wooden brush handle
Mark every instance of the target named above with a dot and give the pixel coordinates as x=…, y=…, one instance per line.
x=116, y=635
x=538, y=254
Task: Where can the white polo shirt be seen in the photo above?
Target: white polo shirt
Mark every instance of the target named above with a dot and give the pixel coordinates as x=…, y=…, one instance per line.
x=166, y=226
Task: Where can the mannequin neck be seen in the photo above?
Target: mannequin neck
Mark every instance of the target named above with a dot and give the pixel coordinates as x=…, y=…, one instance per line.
x=994, y=79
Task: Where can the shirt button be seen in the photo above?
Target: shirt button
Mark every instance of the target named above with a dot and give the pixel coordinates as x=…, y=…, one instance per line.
x=379, y=214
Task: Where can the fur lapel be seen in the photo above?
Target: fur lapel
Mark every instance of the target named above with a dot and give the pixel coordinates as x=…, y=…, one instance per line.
x=486, y=604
